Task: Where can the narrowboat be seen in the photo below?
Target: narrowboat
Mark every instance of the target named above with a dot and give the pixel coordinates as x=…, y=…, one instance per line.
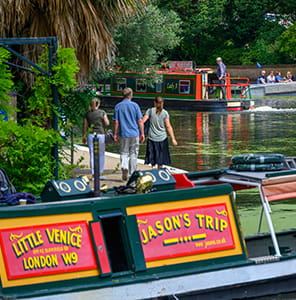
x=161, y=235
x=183, y=88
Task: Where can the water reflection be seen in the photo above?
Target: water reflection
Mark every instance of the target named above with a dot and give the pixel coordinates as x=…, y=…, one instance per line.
x=209, y=140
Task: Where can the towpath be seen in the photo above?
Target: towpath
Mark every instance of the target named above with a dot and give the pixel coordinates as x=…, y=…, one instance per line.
x=112, y=167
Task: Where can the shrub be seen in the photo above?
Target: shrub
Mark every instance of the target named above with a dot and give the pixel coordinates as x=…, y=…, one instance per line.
x=25, y=154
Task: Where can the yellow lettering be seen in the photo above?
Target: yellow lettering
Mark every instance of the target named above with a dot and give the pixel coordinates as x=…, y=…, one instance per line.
x=159, y=227
x=58, y=236
x=40, y=262
x=16, y=250
x=50, y=235
x=168, y=225
x=70, y=258
x=223, y=225
x=200, y=219
x=151, y=233
x=176, y=222
x=187, y=221
x=209, y=222
x=145, y=237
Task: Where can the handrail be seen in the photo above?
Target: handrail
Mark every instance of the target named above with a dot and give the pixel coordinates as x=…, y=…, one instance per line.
x=243, y=85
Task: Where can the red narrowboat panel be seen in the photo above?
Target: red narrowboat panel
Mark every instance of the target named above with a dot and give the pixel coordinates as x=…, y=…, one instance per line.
x=40, y=250
x=192, y=231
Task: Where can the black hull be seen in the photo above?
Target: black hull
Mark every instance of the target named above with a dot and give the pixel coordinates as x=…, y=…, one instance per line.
x=184, y=104
x=266, y=289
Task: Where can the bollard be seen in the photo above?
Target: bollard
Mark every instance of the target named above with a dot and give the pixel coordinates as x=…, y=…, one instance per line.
x=96, y=159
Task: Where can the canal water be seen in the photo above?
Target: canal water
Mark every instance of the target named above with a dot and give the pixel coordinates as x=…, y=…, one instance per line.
x=209, y=140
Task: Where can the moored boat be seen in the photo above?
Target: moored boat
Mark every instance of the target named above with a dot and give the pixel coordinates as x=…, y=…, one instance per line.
x=182, y=238
x=183, y=88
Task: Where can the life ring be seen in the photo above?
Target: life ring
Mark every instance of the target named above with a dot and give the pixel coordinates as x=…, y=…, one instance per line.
x=258, y=158
x=257, y=167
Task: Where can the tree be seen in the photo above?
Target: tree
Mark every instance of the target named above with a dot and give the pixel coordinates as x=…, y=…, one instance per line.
x=287, y=42
x=6, y=82
x=81, y=24
x=142, y=40
x=230, y=28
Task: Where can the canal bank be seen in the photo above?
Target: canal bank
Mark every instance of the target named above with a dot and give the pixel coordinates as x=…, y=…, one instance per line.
x=112, y=167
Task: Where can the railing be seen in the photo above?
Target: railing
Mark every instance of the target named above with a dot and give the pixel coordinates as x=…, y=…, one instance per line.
x=232, y=89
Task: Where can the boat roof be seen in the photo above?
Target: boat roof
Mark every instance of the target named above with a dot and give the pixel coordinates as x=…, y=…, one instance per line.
x=258, y=176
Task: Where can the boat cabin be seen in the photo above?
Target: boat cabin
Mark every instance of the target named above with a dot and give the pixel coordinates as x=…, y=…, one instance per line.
x=179, y=81
x=180, y=236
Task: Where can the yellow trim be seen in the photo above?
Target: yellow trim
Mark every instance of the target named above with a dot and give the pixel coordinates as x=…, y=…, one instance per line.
x=187, y=204
x=157, y=207
x=233, y=104
x=42, y=220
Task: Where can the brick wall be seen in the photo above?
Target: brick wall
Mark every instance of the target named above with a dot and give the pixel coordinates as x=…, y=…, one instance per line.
x=252, y=72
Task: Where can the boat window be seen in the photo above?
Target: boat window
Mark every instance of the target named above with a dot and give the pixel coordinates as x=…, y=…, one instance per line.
x=120, y=84
x=184, y=86
x=141, y=85
x=158, y=87
x=112, y=229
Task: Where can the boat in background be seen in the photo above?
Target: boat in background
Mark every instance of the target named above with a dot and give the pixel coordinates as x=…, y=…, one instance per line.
x=160, y=235
x=273, y=89
x=183, y=87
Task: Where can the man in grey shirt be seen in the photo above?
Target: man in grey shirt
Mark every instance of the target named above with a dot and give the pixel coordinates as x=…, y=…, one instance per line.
x=221, y=74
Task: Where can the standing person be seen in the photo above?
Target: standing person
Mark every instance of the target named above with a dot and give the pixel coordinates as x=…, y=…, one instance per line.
x=94, y=121
x=129, y=126
x=157, y=151
x=261, y=78
x=221, y=74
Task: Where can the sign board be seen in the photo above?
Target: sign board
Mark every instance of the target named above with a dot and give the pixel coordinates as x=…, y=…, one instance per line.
x=175, y=233
x=41, y=250
x=189, y=230
x=181, y=65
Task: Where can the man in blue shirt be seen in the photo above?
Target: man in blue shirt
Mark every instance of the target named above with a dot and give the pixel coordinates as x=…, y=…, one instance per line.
x=129, y=126
x=261, y=78
x=221, y=74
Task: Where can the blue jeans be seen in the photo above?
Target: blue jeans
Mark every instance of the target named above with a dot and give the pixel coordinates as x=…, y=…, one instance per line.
x=90, y=138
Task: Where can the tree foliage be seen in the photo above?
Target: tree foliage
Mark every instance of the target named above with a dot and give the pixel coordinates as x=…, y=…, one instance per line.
x=6, y=82
x=287, y=42
x=144, y=38
x=239, y=30
x=64, y=77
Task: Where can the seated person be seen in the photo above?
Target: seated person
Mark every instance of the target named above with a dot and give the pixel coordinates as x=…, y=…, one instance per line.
x=271, y=77
x=261, y=78
x=289, y=77
x=278, y=77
